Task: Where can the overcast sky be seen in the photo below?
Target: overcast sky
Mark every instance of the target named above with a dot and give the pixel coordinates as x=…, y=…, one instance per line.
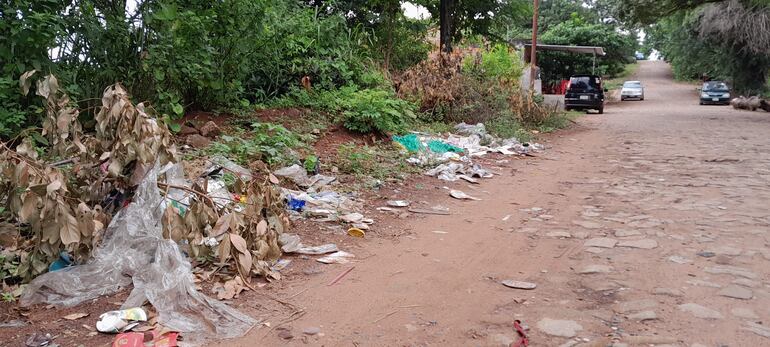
x=414, y=11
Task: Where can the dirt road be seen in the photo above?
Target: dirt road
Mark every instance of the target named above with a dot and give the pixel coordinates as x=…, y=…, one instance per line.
x=647, y=227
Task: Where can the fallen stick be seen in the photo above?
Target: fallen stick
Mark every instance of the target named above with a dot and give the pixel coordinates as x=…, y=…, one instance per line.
x=395, y=311
x=424, y=211
x=385, y=316
x=340, y=276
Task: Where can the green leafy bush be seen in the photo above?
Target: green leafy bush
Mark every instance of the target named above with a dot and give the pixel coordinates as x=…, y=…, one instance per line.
x=497, y=63
x=376, y=110
x=268, y=142
x=12, y=117
x=361, y=110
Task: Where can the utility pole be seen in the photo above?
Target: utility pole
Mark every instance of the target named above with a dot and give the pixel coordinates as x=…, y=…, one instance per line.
x=533, y=53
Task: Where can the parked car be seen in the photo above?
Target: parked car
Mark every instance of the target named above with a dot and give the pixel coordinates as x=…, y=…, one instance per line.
x=584, y=92
x=639, y=56
x=632, y=90
x=715, y=93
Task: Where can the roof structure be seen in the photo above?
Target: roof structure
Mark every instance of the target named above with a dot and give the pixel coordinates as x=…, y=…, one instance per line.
x=596, y=51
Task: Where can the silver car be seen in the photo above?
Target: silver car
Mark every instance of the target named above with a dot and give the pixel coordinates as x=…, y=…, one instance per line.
x=632, y=90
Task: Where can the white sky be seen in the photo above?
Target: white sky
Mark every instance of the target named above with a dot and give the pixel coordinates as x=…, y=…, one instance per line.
x=415, y=11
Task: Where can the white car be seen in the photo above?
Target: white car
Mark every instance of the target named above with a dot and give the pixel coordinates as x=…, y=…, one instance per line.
x=632, y=90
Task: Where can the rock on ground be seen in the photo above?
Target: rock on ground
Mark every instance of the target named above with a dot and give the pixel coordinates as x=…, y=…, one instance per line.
x=643, y=316
x=643, y=244
x=595, y=269
x=561, y=328
x=210, y=130
x=700, y=311
x=736, y=292
x=197, y=141
x=636, y=305
x=745, y=313
x=601, y=242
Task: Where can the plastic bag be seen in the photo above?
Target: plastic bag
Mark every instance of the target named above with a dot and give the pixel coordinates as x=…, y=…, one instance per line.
x=411, y=142
x=134, y=251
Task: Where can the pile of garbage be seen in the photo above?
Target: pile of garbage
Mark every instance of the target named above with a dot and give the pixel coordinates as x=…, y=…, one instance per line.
x=96, y=213
x=318, y=200
x=451, y=157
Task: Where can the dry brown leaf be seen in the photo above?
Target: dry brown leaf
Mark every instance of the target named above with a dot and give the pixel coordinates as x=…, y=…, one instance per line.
x=223, y=223
x=230, y=289
x=224, y=249
x=25, y=82
x=69, y=225
x=239, y=243
x=75, y=316
x=273, y=179
x=262, y=228
x=52, y=187
x=28, y=208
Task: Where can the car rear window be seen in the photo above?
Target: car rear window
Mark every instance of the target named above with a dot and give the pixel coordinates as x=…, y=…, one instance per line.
x=715, y=86
x=632, y=85
x=584, y=82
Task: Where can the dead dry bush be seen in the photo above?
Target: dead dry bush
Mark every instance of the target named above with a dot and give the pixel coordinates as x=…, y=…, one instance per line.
x=60, y=188
x=447, y=92
x=433, y=83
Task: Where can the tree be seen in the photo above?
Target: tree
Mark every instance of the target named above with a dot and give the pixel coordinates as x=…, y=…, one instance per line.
x=480, y=17
x=620, y=48
x=727, y=39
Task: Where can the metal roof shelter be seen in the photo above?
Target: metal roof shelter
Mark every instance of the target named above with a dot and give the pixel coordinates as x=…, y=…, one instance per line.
x=560, y=48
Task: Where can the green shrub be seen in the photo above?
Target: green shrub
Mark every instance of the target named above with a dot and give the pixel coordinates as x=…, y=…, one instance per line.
x=12, y=117
x=376, y=110
x=361, y=110
x=497, y=63
x=269, y=142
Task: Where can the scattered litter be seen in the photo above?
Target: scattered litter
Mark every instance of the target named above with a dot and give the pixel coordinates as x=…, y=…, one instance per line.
x=280, y=264
x=351, y=218
x=295, y=204
x=38, y=339
x=451, y=156
x=398, y=203
x=706, y=254
x=63, y=261
x=134, y=251
x=461, y=195
x=16, y=323
x=523, y=339
x=121, y=320
x=385, y=209
x=439, y=232
x=220, y=163
x=506, y=218
x=356, y=232
x=469, y=179
x=299, y=176
x=317, y=250
x=153, y=338
x=290, y=243
x=75, y=316
x=519, y=284
x=339, y=257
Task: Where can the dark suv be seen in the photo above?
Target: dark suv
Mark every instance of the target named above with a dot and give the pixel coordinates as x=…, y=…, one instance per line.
x=584, y=92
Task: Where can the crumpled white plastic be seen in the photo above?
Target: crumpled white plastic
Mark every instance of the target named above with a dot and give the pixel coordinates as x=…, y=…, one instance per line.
x=135, y=252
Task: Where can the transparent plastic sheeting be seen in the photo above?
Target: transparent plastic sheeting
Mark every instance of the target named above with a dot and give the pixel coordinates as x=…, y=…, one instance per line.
x=134, y=251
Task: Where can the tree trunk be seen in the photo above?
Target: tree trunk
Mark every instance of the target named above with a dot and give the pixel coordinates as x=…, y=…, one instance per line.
x=446, y=18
